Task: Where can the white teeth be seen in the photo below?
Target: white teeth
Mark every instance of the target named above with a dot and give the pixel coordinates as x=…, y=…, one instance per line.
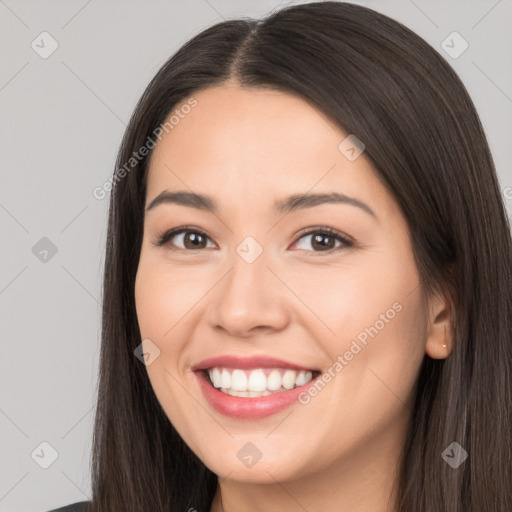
x=274, y=380
x=237, y=393
x=289, y=379
x=246, y=394
x=225, y=379
x=239, y=381
x=216, y=378
x=258, y=382
x=259, y=393
x=302, y=378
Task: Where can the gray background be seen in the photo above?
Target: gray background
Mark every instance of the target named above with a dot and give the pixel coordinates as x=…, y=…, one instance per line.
x=62, y=119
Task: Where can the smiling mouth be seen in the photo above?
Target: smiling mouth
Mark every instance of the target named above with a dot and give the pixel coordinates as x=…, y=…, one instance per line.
x=257, y=382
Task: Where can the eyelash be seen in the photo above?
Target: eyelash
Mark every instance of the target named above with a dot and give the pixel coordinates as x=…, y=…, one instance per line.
x=164, y=237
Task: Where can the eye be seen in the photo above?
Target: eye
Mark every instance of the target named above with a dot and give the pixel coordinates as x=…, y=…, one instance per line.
x=191, y=237
x=324, y=238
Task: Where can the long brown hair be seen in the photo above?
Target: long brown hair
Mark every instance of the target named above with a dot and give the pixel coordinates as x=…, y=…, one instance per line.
x=378, y=80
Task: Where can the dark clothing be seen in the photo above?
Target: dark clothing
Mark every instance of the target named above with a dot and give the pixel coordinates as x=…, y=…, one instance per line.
x=79, y=506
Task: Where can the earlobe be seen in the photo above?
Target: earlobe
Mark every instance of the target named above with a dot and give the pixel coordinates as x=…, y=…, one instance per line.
x=438, y=348
x=439, y=340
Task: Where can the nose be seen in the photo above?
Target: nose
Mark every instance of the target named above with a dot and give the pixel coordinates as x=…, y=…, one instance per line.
x=249, y=300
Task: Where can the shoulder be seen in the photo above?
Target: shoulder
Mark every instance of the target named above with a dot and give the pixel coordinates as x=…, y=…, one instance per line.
x=79, y=506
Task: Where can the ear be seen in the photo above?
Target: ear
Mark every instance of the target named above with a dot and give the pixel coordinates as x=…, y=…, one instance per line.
x=439, y=338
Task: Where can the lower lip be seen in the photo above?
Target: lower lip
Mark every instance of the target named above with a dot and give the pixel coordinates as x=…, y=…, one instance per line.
x=249, y=408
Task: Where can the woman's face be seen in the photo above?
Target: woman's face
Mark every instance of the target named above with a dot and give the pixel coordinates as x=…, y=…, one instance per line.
x=251, y=283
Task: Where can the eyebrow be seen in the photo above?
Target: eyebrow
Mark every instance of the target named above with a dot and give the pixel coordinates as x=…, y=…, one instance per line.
x=291, y=203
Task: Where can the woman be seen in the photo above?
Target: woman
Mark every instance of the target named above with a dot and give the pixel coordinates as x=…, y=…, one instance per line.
x=307, y=281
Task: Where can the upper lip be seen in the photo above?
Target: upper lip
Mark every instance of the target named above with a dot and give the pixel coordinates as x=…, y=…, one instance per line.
x=257, y=361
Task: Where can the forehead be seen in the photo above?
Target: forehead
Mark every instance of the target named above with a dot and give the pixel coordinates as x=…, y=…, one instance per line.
x=249, y=144
x=239, y=121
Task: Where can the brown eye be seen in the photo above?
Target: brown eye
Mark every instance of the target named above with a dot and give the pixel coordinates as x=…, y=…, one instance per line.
x=193, y=240
x=184, y=239
x=188, y=238
x=324, y=240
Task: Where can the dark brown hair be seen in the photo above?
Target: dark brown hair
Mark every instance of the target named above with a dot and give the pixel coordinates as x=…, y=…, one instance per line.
x=378, y=80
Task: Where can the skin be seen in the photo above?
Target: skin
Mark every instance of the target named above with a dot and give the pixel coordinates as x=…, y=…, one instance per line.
x=248, y=148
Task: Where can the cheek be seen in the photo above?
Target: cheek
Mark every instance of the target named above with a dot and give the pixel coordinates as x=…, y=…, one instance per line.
x=152, y=301
x=161, y=304
x=380, y=347
x=157, y=315
x=367, y=320
x=162, y=299
x=338, y=304
x=375, y=363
